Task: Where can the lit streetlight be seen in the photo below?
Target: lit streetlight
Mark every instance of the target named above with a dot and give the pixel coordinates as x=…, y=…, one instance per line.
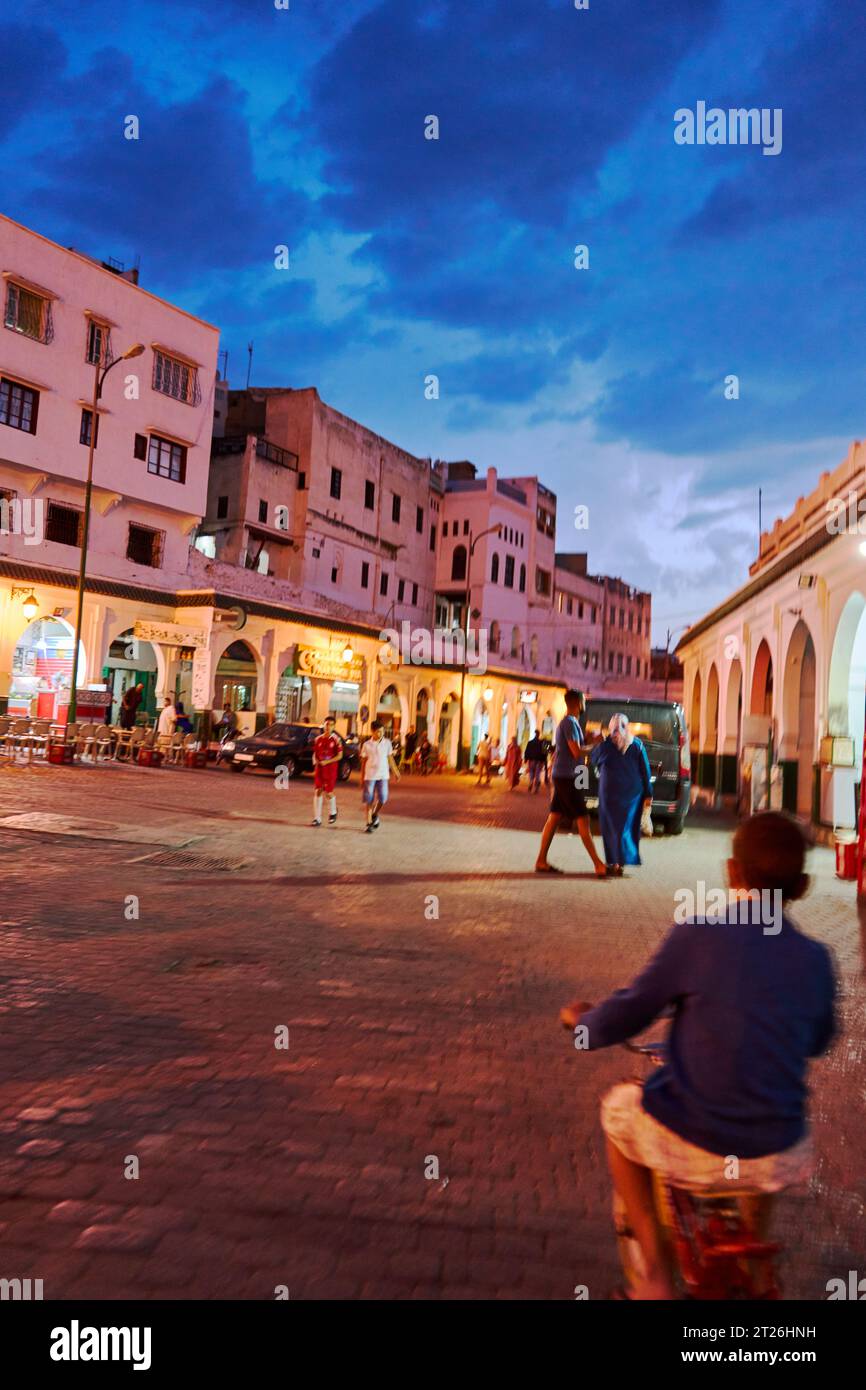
x=98, y=379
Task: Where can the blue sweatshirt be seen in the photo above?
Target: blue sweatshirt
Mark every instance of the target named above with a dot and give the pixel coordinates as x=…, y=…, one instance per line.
x=749, y=1010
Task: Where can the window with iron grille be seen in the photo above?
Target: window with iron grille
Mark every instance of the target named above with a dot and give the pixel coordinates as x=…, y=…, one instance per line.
x=144, y=546
x=175, y=378
x=63, y=524
x=166, y=459
x=98, y=342
x=28, y=313
x=19, y=406
x=336, y=483
x=84, y=431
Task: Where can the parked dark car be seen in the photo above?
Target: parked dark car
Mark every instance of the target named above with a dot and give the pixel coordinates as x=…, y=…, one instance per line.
x=285, y=745
x=661, y=726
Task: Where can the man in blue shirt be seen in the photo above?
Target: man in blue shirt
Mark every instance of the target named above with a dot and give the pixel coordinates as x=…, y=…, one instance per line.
x=568, y=801
x=752, y=1001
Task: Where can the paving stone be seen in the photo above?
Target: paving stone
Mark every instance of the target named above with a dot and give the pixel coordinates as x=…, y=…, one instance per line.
x=408, y=1039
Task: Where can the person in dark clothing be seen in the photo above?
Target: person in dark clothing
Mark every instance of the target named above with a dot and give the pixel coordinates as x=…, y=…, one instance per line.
x=624, y=792
x=183, y=722
x=535, y=757
x=129, y=706
x=752, y=1001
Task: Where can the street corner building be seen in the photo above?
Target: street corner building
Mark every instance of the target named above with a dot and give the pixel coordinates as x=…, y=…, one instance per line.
x=775, y=677
x=253, y=547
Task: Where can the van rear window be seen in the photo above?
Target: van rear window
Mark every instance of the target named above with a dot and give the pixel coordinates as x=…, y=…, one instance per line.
x=652, y=723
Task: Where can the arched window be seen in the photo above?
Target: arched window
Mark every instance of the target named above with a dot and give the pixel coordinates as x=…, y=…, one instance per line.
x=515, y=641
x=523, y=579
x=533, y=652
x=494, y=638
x=494, y=569
x=458, y=562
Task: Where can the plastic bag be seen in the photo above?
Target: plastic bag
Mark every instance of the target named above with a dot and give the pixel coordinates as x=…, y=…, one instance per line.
x=646, y=822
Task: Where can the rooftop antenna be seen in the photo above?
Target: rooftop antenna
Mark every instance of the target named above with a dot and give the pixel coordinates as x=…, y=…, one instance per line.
x=760, y=525
x=249, y=363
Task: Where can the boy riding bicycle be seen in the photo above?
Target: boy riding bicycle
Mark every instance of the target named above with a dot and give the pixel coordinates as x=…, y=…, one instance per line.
x=752, y=1001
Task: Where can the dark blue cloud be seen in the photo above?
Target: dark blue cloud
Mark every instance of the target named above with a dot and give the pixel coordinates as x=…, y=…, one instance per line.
x=185, y=194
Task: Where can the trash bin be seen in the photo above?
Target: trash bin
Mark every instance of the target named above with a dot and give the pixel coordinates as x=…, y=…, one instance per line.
x=846, y=856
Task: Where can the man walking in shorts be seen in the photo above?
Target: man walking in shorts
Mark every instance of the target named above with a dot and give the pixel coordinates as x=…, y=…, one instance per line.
x=568, y=801
x=327, y=753
x=377, y=763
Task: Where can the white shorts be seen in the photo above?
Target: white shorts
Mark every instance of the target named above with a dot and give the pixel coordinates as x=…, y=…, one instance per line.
x=645, y=1141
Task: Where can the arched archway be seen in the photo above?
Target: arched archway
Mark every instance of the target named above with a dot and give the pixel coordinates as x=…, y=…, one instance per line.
x=710, y=739
x=695, y=720
x=480, y=727
x=42, y=670
x=449, y=723
x=236, y=681
x=797, y=743
x=761, y=697
x=458, y=562
x=422, y=706
x=131, y=662
x=848, y=672
x=389, y=711
x=731, y=723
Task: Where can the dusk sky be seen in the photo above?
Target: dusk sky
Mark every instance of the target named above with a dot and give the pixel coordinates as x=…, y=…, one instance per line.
x=409, y=256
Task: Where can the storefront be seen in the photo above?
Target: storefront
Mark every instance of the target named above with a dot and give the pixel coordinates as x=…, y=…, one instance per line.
x=42, y=670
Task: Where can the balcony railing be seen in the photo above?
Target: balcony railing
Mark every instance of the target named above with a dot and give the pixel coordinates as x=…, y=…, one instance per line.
x=236, y=443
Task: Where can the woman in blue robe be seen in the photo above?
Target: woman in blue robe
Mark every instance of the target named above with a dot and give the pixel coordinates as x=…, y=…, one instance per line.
x=623, y=791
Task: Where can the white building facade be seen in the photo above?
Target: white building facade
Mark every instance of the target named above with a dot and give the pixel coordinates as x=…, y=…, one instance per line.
x=775, y=677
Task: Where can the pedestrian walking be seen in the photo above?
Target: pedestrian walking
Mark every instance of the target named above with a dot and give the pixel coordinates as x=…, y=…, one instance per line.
x=568, y=801
x=624, y=793
x=377, y=764
x=535, y=754
x=327, y=755
x=482, y=761
x=132, y=698
x=548, y=749
x=513, y=764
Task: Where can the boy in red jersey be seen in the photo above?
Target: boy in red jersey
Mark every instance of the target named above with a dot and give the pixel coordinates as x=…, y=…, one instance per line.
x=327, y=752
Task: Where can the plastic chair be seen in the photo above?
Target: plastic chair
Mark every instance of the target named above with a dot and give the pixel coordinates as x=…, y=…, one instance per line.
x=37, y=740
x=86, y=740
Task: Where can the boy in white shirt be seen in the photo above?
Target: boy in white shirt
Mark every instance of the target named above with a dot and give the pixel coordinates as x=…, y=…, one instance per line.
x=377, y=763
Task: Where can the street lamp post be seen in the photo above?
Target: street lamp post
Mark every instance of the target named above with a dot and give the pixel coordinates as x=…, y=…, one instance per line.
x=98, y=379
x=471, y=551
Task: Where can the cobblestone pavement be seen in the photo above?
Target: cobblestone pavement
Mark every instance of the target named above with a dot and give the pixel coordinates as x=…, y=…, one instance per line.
x=412, y=1038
